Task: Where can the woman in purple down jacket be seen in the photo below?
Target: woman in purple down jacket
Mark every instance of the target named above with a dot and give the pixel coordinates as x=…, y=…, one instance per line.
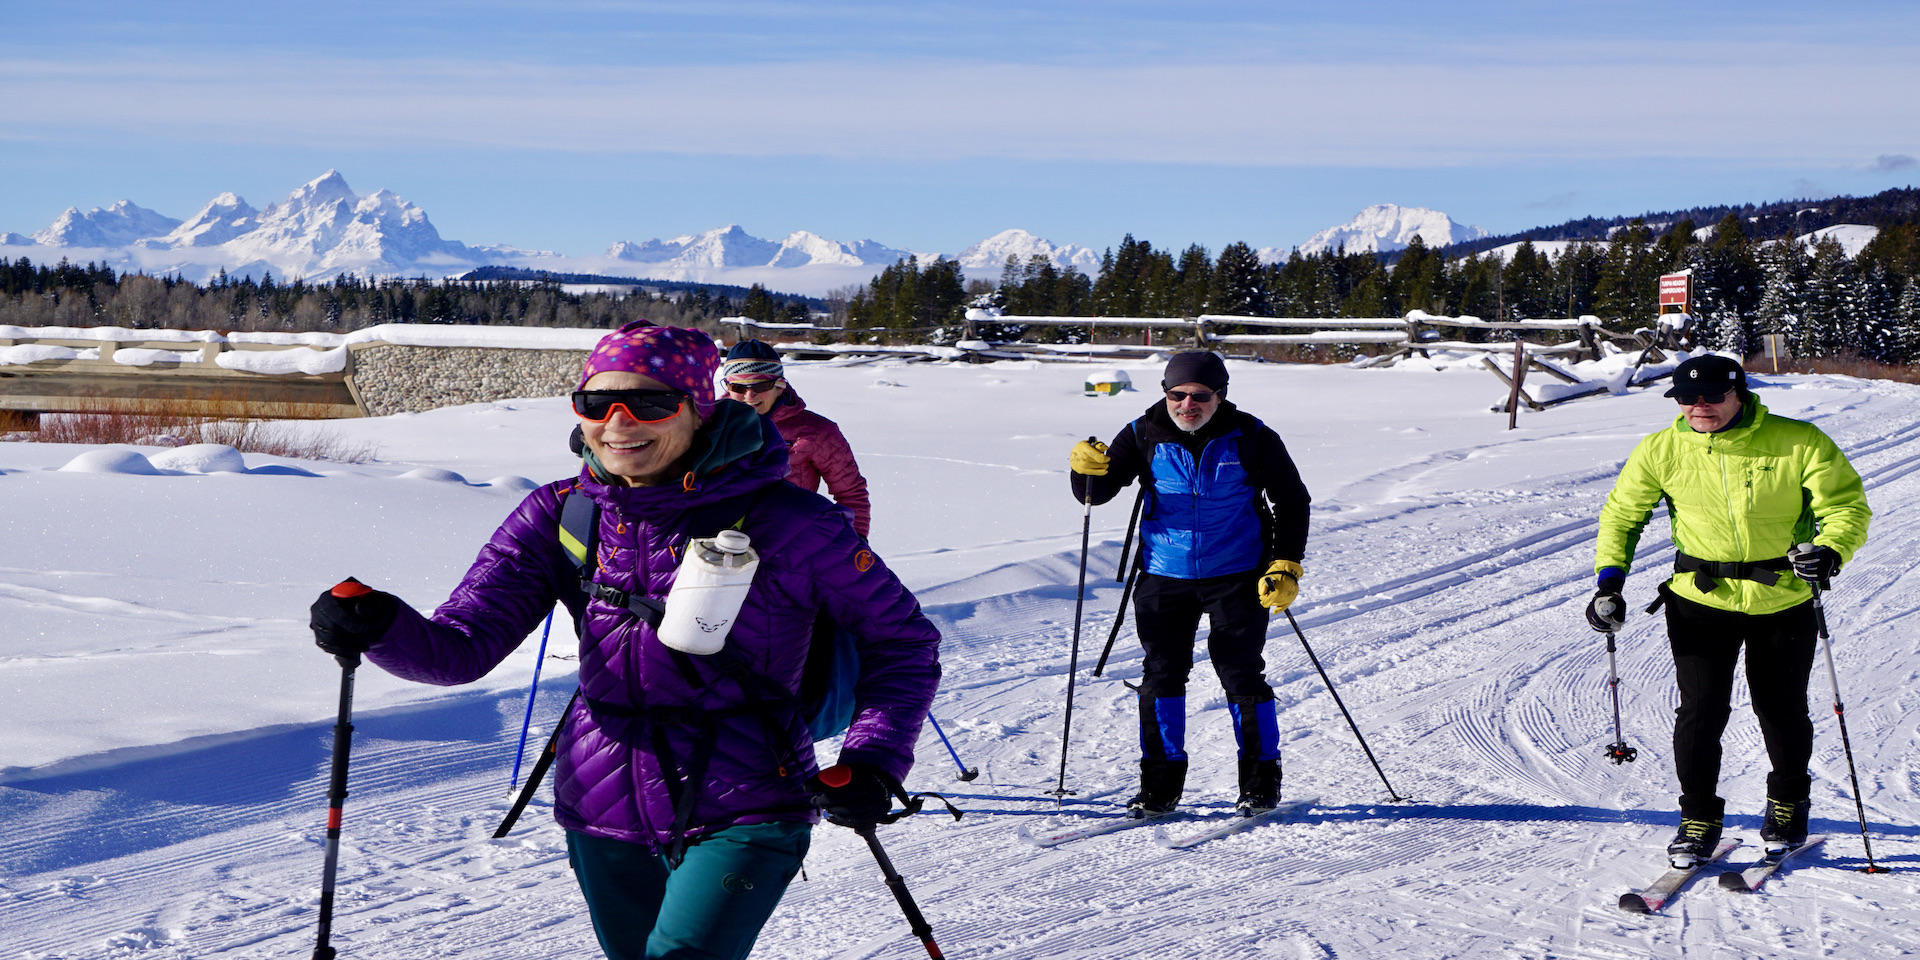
x=662, y=456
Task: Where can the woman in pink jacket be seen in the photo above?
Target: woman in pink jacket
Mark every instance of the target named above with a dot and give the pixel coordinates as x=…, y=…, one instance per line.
x=816, y=449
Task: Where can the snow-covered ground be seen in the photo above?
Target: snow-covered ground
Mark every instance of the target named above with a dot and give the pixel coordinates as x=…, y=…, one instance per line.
x=167, y=719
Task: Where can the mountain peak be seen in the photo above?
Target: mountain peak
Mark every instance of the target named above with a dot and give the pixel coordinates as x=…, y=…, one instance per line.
x=989, y=257
x=1386, y=227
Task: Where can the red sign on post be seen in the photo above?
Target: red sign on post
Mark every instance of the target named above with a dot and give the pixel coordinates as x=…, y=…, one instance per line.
x=1676, y=289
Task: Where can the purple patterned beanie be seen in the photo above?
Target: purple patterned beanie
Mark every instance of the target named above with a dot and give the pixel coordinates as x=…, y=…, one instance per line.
x=681, y=358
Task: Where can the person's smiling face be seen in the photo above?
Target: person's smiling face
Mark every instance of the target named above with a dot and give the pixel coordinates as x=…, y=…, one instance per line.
x=1188, y=410
x=640, y=453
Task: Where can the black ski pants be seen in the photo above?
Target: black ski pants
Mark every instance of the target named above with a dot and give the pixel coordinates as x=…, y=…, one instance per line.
x=1706, y=644
x=1166, y=615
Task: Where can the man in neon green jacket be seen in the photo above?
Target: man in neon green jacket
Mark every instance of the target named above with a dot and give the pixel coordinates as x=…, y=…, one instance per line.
x=1760, y=506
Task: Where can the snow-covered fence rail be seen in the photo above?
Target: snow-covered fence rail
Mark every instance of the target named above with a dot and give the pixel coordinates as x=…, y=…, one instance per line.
x=391, y=368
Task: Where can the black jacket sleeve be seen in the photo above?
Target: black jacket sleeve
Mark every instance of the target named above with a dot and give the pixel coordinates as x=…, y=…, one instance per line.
x=1276, y=476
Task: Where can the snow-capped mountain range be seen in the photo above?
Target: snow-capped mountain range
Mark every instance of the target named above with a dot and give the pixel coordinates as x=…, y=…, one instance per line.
x=1384, y=228
x=324, y=230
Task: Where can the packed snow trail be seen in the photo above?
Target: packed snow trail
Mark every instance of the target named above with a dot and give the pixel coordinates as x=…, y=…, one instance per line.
x=1445, y=577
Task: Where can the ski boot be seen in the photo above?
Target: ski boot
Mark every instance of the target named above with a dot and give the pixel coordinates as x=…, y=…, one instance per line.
x=1160, y=784
x=1259, y=787
x=1694, y=843
x=1784, y=828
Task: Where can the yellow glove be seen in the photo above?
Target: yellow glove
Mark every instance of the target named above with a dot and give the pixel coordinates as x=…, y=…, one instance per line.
x=1280, y=584
x=1090, y=458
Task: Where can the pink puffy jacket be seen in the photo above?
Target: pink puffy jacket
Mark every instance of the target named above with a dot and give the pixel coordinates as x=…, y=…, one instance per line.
x=816, y=450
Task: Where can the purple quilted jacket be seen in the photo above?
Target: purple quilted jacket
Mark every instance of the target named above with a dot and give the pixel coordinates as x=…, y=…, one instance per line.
x=620, y=749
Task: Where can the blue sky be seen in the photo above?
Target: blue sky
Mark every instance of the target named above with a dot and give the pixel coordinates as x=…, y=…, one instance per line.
x=931, y=125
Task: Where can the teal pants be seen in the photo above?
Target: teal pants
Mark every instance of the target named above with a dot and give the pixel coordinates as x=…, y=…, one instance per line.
x=710, y=908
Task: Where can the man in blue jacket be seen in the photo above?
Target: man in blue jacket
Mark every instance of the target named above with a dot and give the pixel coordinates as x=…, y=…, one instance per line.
x=1222, y=532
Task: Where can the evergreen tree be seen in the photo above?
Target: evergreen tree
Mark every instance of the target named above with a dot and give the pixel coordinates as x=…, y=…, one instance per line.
x=1906, y=324
x=1416, y=281
x=1783, y=294
x=1829, y=306
x=1193, y=279
x=1527, y=284
x=758, y=305
x=1238, y=288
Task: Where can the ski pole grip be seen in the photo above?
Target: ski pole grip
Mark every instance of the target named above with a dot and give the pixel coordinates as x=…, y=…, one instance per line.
x=349, y=588
x=836, y=776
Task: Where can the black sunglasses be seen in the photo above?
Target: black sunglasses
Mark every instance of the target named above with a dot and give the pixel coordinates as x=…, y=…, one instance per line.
x=759, y=387
x=1199, y=396
x=646, y=406
x=1689, y=399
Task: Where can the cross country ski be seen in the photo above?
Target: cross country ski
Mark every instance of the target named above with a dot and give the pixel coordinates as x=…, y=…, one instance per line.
x=1231, y=827
x=1662, y=891
x=1105, y=826
x=1750, y=879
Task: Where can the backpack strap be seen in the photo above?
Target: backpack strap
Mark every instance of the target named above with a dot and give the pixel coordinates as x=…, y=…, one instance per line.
x=580, y=538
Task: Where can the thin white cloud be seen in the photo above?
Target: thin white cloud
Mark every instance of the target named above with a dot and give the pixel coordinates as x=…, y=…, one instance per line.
x=1405, y=114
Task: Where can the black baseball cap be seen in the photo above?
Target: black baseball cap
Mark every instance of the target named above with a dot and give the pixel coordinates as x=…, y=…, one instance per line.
x=1709, y=374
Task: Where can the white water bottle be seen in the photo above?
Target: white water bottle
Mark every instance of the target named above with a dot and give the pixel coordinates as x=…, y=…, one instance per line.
x=707, y=593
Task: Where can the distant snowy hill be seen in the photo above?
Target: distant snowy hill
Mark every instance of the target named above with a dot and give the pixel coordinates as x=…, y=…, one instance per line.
x=324, y=230
x=1384, y=228
x=985, y=260
x=730, y=246
x=1852, y=237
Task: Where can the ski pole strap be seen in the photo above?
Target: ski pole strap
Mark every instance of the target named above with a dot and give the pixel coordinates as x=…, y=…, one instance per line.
x=911, y=804
x=1764, y=572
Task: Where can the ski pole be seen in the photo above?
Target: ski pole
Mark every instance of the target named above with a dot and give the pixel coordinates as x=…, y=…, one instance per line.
x=336, y=799
x=1119, y=619
x=539, y=772
x=1617, y=751
x=1840, y=712
x=915, y=921
x=1060, y=792
x=1126, y=545
x=526, y=722
x=965, y=774
x=1394, y=794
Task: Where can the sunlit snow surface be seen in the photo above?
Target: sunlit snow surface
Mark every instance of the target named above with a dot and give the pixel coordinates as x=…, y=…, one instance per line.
x=167, y=718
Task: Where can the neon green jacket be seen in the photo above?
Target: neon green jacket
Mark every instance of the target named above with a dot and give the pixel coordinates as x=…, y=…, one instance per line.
x=1745, y=494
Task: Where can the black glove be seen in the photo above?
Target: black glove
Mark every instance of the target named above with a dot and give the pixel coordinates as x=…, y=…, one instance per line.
x=1607, y=611
x=1814, y=564
x=352, y=617
x=851, y=794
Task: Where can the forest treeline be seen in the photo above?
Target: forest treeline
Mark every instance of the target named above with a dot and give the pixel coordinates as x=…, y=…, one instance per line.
x=1824, y=301
x=67, y=295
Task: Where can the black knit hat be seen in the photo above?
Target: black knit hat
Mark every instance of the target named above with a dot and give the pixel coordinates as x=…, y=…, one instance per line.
x=1199, y=366
x=1707, y=374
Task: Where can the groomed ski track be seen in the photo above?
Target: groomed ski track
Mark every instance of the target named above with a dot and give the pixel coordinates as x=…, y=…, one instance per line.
x=1443, y=594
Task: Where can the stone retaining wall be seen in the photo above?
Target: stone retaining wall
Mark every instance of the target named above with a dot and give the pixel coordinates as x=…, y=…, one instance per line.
x=398, y=379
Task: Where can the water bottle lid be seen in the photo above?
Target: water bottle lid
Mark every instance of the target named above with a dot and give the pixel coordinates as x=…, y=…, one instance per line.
x=731, y=541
